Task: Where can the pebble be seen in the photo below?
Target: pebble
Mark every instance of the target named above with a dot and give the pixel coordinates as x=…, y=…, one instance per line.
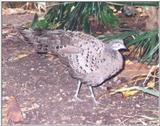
x=32, y=69
x=83, y=117
x=64, y=118
x=115, y=79
x=5, y=98
x=138, y=106
x=60, y=99
x=35, y=106
x=61, y=90
x=119, y=81
x=99, y=122
x=110, y=82
x=50, y=98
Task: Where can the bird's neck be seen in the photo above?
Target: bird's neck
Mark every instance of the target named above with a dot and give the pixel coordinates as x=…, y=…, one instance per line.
x=111, y=51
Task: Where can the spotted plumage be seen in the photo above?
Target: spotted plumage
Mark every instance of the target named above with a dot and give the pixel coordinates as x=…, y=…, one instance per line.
x=90, y=61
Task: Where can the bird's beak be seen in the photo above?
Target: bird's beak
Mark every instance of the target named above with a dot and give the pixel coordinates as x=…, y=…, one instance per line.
x=124, y=48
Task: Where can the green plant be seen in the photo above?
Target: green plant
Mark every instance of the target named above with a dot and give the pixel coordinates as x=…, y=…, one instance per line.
x=40, y=23
x=147, y=90
x=74, y=15
x=142, y=3
x=145, y=42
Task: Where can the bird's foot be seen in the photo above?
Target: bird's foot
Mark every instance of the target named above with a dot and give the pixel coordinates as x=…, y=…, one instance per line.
x=97, y=103
x=77, y=98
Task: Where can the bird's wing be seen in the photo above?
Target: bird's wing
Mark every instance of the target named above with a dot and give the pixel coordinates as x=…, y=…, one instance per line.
x=85, y=62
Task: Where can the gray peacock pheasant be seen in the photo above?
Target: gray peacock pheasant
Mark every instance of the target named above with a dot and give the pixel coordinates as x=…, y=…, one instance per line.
x=90, y=61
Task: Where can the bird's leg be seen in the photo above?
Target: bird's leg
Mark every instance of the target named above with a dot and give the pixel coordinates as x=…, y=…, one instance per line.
x=92, y=94
x=78, y=90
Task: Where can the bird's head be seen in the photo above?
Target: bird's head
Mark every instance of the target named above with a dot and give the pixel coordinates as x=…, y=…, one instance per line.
x=117, y=44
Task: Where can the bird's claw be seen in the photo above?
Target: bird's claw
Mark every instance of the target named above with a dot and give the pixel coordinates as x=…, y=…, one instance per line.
x=77, y=98
x=97, y=103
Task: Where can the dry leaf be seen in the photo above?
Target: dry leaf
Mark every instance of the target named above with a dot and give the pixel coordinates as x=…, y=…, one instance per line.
x=129, y=62
x=20, y=56
x=50, y=57
x=129, y=93
x=154, y=68
x=13, y=111
x=151, y=84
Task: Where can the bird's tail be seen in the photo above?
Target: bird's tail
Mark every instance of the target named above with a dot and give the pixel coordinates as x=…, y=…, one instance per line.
x=44, y=41
x=26, y=35
x=31, y=37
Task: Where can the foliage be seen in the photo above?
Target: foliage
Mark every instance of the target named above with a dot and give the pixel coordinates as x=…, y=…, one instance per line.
x=129, y=91
x=142, y=3
x=145, y=42
x=41, y=23
x=76, y=14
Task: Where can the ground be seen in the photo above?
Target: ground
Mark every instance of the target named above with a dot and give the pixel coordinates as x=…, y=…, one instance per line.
x=44, y=89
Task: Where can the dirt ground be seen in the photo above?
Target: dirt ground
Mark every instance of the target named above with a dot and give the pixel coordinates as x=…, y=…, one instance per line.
x=44, y=89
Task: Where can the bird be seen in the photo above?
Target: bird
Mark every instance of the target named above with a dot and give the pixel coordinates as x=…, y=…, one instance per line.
x=90, y=61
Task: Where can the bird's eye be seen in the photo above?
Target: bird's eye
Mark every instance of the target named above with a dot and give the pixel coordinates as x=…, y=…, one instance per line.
x=119, y=44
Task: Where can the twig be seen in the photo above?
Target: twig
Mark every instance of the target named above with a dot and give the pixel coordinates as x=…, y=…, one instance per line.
x=149, y=74
x=125, y=89
x=128, y=117
x=147, y=117
x=140, y=117
x=115, y=3
x=142, y=122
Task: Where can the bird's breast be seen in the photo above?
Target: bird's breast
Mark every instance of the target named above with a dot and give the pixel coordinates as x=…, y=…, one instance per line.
x=113, y=65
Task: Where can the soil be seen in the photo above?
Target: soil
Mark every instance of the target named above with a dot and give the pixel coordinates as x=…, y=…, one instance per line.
x=45, y=91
